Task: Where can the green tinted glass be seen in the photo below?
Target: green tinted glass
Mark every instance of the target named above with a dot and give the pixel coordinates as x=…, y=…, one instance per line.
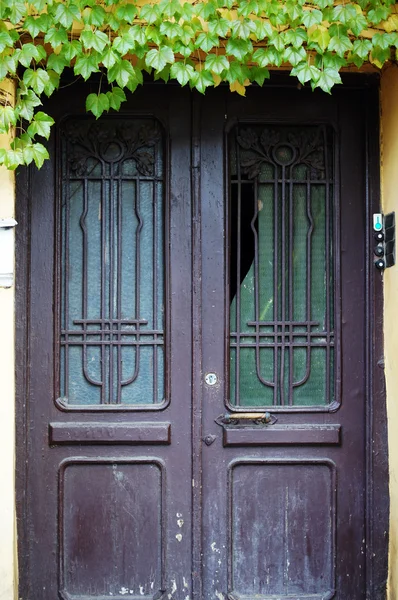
x=281, y=266
x=112, y=263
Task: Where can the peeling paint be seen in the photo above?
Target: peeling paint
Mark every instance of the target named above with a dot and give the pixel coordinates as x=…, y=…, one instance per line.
x=178, y=537
x=185, y=582
x=219, y=595
x=142, y=590
x=180, y=522
x=214, y=548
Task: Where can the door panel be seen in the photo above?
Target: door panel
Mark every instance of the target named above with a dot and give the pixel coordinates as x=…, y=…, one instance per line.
x=284, y=500
x=108, y=514
x=197, y=353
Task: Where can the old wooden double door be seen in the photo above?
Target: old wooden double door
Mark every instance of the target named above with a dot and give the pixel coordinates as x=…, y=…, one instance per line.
x=196, y=332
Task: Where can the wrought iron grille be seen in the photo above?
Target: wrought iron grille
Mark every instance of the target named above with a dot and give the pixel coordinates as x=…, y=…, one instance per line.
x=281, y=275
x=112, y=263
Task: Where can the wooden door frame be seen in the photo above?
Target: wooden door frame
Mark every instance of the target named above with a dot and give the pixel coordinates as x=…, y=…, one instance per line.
x=377, y=500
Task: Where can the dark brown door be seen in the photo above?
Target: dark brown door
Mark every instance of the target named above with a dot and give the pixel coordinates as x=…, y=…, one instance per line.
x=197, y=351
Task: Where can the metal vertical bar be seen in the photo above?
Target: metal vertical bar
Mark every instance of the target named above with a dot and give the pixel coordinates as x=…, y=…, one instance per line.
x=238, y=273
x=283, y=289
x=276, y=293
x=103, y=283
x=66, y=289
x=119, y=209
x=327, y=269
x=111, y=287
x=137, y=272
x=290, y=286
x=155, y=284
x=257, y=289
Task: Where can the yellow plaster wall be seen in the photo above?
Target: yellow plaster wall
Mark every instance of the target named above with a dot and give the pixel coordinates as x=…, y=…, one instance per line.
x=389, y=173
x=7, y=410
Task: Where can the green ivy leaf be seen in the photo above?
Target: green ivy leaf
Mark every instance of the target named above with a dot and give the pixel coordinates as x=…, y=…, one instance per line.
x=294, y=55
x=137, y=33
x=116, y=97
x=207, y=41
x=327, y=79
x=41, y=125
x=37, y=80
x=57, y=62
x=86, y=64
x=237, y=72
x=126, y=12
x=217, y=64
x=170, y=29
x=248, y=7
x=344, y=13
x=25, y=106
x=295, y=37
x=36, y=152
x=358, y=24
x=269, y=56
x=330, y=60
x=378, y=14
x=94, y=15
x=124, y=43
x=321, y=37
x=259, y=74
x=94, y=39
x=277, y=41
x=28, y=53
x=263, y=29
x=122, y=72
x=8, y=65
x=243, y=29
x=202, y=80
x=340, y=45
x=71, y=49
x=18, y=11
x=53, y=82
x=66, y=14
x=13, y=159
x=311, y=17
x=362, y=48
x=97, y=104
x=239, y=48
x=109, y=58
x=305, y=72
x=159, y=58
x=169, y=8
x=8, y=118
x=5, y=40
x=150, y=13
x=56, y=36
x=182, y=72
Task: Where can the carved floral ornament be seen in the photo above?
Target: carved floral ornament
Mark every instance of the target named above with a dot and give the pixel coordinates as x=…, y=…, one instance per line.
x=287, y=149
x=110, y=143
x=199, y=43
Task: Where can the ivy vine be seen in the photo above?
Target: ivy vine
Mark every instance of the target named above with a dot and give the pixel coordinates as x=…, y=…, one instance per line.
x=199, y=43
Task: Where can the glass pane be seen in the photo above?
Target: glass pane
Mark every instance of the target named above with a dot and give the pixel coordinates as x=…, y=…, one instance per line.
x=112, y=263
x=281, y=266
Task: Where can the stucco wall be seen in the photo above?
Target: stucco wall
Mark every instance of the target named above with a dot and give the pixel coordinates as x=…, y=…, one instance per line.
x=389, y=173
x=7, y=409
